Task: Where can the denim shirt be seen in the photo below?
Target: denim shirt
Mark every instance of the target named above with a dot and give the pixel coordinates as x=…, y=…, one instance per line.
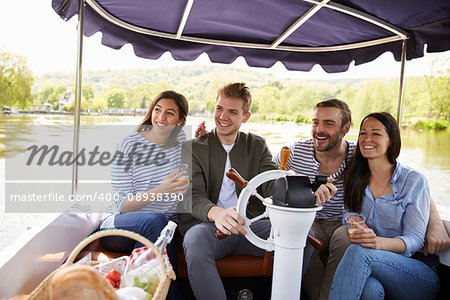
x=403, y=214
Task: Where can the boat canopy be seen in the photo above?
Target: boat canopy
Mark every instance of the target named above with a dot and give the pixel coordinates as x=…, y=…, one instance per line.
x=298, y=33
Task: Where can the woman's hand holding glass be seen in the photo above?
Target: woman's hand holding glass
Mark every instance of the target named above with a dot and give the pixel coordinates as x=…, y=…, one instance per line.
x=359, y=233
x=365, y=237
x=176, y=182
x=182, y=173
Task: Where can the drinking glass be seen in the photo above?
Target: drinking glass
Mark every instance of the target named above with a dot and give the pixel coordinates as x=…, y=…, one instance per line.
x=354, y=222
x=183, y=169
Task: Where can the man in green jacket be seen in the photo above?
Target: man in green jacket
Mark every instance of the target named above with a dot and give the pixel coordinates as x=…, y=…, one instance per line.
x=214, y=195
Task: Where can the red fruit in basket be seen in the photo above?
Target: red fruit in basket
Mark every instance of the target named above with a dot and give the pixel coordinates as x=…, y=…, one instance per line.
x=113, y=275
x=113, y=283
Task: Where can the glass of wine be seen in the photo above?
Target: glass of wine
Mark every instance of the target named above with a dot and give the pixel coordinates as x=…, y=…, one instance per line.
x=354, y=222
x=183, y=170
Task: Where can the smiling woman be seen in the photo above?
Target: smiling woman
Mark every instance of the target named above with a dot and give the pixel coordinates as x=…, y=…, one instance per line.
x=143, y=187
x=165, y=117
x=395, y=201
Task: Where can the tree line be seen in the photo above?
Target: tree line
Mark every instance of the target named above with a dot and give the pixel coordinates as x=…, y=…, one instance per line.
x=16, y=80
x=273, y=98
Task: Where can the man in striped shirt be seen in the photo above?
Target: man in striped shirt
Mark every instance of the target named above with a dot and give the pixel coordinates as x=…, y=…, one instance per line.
x=326, y=153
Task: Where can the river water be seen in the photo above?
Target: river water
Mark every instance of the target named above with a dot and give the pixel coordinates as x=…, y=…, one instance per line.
x=426, y=151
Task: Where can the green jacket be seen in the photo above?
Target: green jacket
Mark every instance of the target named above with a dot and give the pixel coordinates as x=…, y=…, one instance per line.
x=206, y=158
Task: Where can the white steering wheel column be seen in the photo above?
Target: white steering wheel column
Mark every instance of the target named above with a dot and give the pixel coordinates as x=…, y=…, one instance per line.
x=290, y=227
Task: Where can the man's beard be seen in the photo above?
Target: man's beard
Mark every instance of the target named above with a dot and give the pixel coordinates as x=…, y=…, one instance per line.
x=333, y=141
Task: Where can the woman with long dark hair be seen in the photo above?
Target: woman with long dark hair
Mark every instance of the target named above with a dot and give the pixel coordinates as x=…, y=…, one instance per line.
x=384, y=259
x=145, y=181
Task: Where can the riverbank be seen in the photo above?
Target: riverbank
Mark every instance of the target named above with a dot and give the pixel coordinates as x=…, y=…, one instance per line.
x=83, y=113
x=419, y=124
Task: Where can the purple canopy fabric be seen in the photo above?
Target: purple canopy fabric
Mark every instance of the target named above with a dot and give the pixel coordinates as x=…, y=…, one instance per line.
x=262, y=22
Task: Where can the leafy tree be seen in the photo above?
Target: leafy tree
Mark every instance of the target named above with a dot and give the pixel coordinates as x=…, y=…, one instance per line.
x=46, y=93
x=98, y=103
x=49, y=94
x=438, y=90
x=347, y=94
x=305, y=99
x=289, y=96
x=327, y=94
x=276, y=84
x=115, y=98
x=54, y=97
x=132, y=100
x=141, y=96
x=267, y=98
x=415, y=98
x=375, y=95
x=16, y=80
x=423, y=96
x=195, y=106
x=209, y=96
x=87, y=91
x=42, y=96
x=84, y=104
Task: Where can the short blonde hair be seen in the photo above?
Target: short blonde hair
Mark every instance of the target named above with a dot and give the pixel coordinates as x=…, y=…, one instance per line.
x=237, y=90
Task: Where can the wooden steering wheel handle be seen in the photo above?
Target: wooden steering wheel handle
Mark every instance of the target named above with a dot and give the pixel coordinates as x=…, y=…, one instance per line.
x=236, y=177
x=284, y=157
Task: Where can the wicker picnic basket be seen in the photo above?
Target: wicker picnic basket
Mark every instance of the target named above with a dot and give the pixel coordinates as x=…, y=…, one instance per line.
x=42, y=291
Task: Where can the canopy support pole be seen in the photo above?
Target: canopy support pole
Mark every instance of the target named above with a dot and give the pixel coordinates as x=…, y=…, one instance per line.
x=77, y=106
x=401, y=84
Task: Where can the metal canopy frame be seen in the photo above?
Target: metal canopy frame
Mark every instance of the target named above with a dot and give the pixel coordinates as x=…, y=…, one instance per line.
x=398, y=34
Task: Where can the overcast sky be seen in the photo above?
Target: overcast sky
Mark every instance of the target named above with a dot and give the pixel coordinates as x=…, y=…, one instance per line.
x=31, y=28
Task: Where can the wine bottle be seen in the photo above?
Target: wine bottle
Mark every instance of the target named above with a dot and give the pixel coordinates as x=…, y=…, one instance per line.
x=164, y=238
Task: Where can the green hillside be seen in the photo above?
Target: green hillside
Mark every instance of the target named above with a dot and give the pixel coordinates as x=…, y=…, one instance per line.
x=273, y=97
x=187, y=80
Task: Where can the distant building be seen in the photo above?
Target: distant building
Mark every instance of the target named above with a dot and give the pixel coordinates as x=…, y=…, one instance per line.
x=6, y=110
x=199, y=111
x=66, y=98
x=46, y=107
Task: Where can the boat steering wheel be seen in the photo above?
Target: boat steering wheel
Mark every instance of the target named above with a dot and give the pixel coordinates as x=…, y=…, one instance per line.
x=250, y=189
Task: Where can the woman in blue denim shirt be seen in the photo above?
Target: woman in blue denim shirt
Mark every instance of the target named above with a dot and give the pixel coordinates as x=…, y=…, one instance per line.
x=395, y=201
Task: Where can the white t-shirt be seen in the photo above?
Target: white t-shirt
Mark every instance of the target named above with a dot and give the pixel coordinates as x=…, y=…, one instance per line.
x=227, y=196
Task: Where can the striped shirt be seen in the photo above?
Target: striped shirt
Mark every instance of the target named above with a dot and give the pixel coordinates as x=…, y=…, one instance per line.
x=303, y=161
x=142, y=167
